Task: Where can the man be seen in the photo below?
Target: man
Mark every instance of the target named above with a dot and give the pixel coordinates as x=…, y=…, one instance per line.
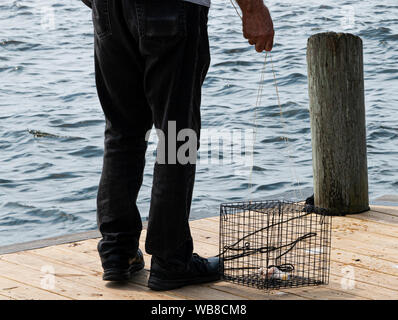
x=151, y=58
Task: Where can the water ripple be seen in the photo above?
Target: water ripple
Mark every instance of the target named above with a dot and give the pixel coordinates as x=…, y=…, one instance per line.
x=52, y=126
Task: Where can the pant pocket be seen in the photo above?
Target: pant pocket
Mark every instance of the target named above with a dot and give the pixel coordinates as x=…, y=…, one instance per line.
x=161, y=19
x=101, y=19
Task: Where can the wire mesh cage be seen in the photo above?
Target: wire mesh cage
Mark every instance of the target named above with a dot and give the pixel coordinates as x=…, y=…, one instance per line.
x=275, y=244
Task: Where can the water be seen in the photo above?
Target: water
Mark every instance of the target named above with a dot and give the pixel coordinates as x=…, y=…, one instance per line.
x=51, y=125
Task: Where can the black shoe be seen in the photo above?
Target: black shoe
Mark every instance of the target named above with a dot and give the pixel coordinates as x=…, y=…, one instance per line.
x=198, y=270
x=117, y=270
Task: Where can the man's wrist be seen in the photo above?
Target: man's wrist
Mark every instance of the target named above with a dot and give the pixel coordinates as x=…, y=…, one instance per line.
x=249, y=6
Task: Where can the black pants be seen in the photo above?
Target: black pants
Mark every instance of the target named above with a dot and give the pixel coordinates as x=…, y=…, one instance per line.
x=151, y=58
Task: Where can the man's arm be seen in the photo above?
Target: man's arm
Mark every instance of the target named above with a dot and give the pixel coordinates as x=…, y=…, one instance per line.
x=257, y=23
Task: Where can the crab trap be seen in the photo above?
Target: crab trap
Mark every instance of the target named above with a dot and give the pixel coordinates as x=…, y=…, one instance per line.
x=274, y=244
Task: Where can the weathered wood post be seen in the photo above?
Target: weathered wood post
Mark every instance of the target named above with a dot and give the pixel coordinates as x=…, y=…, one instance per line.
x=338, y=128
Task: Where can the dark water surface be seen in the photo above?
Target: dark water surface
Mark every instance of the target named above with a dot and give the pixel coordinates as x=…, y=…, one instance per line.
x=51, y=124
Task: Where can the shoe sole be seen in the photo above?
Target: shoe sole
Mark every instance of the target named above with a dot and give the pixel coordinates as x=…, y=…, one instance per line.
x=122, y=275
x=162, y=285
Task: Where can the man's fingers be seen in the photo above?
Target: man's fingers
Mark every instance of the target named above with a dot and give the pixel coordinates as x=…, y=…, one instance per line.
x=269, y=45
x=260, y=46
x=263, y=43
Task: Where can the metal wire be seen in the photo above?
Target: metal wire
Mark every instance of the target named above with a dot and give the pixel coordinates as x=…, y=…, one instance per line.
x=274, y=244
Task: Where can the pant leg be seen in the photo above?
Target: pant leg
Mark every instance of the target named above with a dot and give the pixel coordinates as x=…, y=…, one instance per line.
x=119, y=71
x=174, y=42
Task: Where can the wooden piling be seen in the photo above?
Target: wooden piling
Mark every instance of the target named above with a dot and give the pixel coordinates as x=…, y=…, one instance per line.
x=338, y=127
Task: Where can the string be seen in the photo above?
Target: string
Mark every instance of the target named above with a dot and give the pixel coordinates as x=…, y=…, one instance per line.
x=236, y=9
x=286, y=139
x=258, y=102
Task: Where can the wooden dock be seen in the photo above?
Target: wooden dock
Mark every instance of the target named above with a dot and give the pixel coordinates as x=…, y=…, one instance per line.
x=364, y=246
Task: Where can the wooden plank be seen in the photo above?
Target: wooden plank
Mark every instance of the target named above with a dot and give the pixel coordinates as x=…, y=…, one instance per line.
x=88, y=261
x=386, y=210
x=69, y=282
x=363, y=289
x=204, y=292
x=376, y=216
x=366, y=262
x=377, y=279
x=85, y=251
x=27, y=277
x=380, y=244
x=352, y=224
x=197, y=292
x=357, y=247
x=253, y=293
x=19, y=291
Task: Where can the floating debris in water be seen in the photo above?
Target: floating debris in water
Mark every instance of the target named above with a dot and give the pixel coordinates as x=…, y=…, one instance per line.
x=42, y=134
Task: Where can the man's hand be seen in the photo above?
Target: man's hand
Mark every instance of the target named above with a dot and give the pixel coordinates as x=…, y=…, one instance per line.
x=258, y=27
